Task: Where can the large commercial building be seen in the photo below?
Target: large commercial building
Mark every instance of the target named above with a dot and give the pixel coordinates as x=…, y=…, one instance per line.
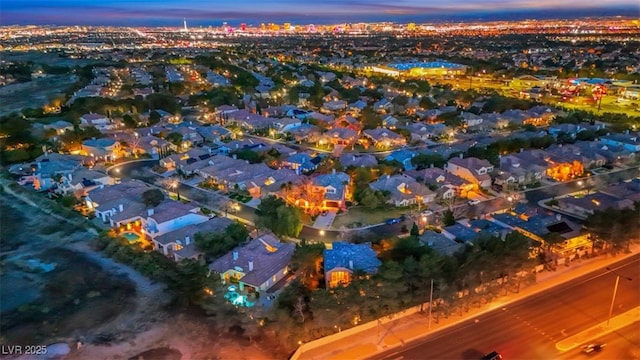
x=421, y=69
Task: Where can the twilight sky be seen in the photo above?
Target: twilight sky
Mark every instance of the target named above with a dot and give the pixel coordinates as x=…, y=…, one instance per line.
x=214, y=12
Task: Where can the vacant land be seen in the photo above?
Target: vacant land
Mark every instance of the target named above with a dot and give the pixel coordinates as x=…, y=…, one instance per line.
x=33, y=94
x=56, y=289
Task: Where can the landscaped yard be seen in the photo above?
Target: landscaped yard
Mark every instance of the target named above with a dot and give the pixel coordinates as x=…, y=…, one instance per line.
x=239, y=197
x=360, y=216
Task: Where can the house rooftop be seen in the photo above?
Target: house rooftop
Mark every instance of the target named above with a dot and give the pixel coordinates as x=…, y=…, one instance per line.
x=215, y=225
x=267, y=254
x=439, y=242
x=343, y=254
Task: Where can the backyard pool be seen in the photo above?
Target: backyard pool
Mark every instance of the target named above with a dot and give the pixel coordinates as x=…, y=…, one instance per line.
x=237, y=299
x=131, y=236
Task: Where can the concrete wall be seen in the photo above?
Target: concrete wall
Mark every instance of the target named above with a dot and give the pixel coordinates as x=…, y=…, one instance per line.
x=353, y=331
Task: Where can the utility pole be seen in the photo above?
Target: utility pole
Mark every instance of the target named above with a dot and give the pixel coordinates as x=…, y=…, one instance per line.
x=430, y=303
x=615, y=291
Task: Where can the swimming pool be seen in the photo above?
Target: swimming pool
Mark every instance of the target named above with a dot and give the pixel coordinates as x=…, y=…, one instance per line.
x=131, y=236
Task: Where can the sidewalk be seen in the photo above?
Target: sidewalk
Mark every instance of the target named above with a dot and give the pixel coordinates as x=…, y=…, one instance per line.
x=375, y=338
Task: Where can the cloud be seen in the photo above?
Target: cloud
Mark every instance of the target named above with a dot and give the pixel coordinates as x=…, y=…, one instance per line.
x=154, y=11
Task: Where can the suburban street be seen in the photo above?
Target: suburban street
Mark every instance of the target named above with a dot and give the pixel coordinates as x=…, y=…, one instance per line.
x=530, y=328
x=215, y=201
x=208, y=198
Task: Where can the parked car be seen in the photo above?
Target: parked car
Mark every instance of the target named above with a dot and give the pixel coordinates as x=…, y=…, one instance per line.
x=474, y=202
x=393, y=221
x=592, y=348
x=427, y=213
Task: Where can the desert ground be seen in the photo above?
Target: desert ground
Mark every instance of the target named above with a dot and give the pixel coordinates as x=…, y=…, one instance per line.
x=57, y=289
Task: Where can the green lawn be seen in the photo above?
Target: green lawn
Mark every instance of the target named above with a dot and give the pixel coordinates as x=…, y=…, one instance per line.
x=359, y=216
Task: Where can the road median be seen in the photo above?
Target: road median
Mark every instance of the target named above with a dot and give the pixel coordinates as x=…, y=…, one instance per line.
x=616, y=323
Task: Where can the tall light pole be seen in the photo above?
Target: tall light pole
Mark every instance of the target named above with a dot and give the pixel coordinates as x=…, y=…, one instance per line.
x=615, y=291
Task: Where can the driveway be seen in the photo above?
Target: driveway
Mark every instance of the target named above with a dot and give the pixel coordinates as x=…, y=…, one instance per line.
x=324, y=221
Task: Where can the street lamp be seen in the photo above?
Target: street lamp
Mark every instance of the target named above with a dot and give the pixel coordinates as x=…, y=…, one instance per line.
x=615, y=290
x=177, y=188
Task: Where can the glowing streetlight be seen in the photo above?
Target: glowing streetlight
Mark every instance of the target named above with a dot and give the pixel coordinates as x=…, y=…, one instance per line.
x=175, y=185
x=322, y=232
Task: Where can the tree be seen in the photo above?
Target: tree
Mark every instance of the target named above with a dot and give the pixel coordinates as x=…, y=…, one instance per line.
x=249, y=155
x=175, y=138
x=128, y=121
x=414, y=230
x=217, y=244
x=370, y=119
x=154, y=117
x=422, y=161
x=306, y=262
x=274, y=214
x=447, y=218
x=152, y=197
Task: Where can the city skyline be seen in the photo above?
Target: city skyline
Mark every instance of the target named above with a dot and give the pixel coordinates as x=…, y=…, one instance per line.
x=201, y=13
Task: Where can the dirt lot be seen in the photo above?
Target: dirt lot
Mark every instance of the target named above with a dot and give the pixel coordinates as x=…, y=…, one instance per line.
x=56, y=289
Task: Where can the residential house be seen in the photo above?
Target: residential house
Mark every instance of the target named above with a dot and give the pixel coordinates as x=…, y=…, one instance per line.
x=630, y=141
x=101, y=149
x=344, y=259
x=403, y=190
x=151, y=145
x=384, y=138
x=389, y=122
x=215, y=134
x=100, y=122
x=300, y=163
x=284, y=125
x=81, y=181
x=306, y=132
x=521, y=169
x=169, y=216
x=494, y=121
x=571, y=153
x=446, y=185
x=358, y=160
x=471, y=119
x=383, y=106
x=334, y=105
x=257, y=266
x=325, y=192
x=108, y=201
x=356, y=107
x=46, y=172
x=222, y=112
x=180, y=243
x=338, y=136
x=190, y=137
x=541, y=225
x=473, y=170
x=60, y=127
x=439, y=242
x=403, y=157
x=589, y=204
x=626, y=190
